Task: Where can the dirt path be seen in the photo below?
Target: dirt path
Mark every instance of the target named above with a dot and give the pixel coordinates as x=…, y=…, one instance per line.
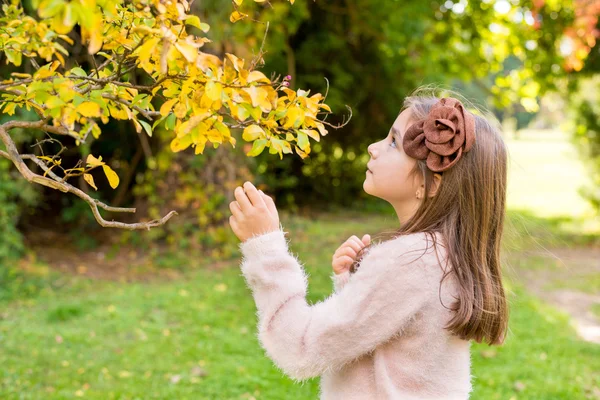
x=566, y=279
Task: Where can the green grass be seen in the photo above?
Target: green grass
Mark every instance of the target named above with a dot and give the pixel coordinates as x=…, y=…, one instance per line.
x=588, y=283
x=195, y=338
x=545, y=175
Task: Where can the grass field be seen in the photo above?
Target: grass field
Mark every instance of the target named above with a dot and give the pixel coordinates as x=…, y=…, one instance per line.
x=194, y=337
x=546, y=175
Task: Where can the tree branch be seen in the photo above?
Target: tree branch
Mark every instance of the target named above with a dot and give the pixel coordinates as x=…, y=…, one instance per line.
x=55, y=182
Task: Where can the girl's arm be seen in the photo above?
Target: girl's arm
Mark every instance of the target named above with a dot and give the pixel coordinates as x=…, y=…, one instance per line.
x=304, y=340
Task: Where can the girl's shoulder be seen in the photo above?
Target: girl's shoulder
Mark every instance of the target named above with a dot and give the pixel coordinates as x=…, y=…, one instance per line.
x=426, y=246
x=425, y=241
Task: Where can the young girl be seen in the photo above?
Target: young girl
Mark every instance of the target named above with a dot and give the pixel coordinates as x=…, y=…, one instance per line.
x=400, y=320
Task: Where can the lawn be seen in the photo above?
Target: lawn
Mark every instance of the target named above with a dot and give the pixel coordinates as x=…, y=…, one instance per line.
x=195, y=337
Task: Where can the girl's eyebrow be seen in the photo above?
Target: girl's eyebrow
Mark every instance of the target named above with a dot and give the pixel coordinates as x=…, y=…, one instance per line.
x=396, y=133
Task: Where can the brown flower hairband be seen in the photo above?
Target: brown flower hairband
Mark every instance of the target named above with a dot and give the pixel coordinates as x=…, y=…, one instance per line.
x=443, y=136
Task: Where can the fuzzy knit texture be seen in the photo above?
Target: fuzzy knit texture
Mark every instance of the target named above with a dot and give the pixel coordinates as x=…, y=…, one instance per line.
x=379, y=335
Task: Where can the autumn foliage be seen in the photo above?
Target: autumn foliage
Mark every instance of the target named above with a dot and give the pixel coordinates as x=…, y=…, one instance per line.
x=197, y=96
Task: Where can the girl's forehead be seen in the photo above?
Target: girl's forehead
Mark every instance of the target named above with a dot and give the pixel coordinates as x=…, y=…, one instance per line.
x=402, y=123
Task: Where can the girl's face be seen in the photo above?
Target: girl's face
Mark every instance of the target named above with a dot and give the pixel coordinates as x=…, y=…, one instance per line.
x=389, y=171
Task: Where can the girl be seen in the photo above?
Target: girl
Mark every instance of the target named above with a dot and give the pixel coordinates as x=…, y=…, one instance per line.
x=403, y=311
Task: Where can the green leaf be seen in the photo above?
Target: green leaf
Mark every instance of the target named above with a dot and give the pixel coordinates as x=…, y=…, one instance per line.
x=78, y=71
x=158, y=121
x=255, y=112
x=302, y=140
x=193, y=20
x=146, y=126
x=170, y=122
x=257, y=147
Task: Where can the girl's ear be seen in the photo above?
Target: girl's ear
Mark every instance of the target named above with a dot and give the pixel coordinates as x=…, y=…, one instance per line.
x=435, y=186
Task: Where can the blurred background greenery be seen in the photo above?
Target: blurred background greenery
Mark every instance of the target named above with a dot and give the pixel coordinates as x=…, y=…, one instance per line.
x=88, y=312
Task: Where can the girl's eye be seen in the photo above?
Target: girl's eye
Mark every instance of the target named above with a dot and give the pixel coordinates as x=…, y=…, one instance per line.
x=393, y=142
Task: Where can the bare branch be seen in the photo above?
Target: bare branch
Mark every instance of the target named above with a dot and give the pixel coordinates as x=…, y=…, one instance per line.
x=260, y=52
x=55, y=182
x=338, y=126
x=42, y=125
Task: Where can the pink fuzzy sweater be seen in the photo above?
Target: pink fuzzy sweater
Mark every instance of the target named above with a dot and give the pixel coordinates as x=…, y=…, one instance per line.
x=380, y=335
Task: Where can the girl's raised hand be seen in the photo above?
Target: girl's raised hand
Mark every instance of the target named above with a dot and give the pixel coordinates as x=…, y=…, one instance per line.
x=253, y=213
x=345, y=255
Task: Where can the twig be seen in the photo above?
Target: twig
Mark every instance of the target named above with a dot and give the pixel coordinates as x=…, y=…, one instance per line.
x=42, y=125
x=55, y=183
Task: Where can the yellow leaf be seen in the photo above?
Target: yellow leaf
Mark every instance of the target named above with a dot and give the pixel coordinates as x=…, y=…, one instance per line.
x=46, y=71
x=90, y=180
x=20, y=75
x=89, y=109
x=253, y=132
x=112, y=176
x=258, y=96
x=302, y=154
x=290, y=93
x=145, y=51
x=199, y=149
x=325, y=107
x=181, y=143
x=321, y=128
x=237, y=63
x=93, y=34
x=223, y=129
x=257, y=76
x=93, y=161
x=236, y=16
x=165, y=109
x=180, y=110
x=214, y=136
x=96, y=131
x=9, y=108
x=189, y=52
x=312, y=133
x=213, y=90
x=238, y=2
x=295, y=117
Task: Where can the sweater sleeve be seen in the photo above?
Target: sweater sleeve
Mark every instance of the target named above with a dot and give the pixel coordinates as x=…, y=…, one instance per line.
x=304, y=340
x=340, y=280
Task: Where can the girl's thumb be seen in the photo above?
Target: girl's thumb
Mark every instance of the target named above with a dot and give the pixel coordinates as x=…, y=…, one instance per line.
x=366, y=239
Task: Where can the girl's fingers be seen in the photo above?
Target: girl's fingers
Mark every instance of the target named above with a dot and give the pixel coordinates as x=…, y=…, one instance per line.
x=349, y=251
x=242, y=199
x=235, y=208
x=366, y=239
x=342, y=263
x=253, y=195
x=270, y=203
x=345, y=252
x=355, y=243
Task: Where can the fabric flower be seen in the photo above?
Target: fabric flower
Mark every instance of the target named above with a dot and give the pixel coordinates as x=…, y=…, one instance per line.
x=443, y=136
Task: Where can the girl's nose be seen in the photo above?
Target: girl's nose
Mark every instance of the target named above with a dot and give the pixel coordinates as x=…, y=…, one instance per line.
x=371, y=150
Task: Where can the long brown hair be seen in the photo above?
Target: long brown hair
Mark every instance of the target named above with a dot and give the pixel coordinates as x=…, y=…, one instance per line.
x=468, y=210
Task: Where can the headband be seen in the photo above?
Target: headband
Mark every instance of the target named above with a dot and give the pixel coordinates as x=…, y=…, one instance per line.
x=443, y=136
